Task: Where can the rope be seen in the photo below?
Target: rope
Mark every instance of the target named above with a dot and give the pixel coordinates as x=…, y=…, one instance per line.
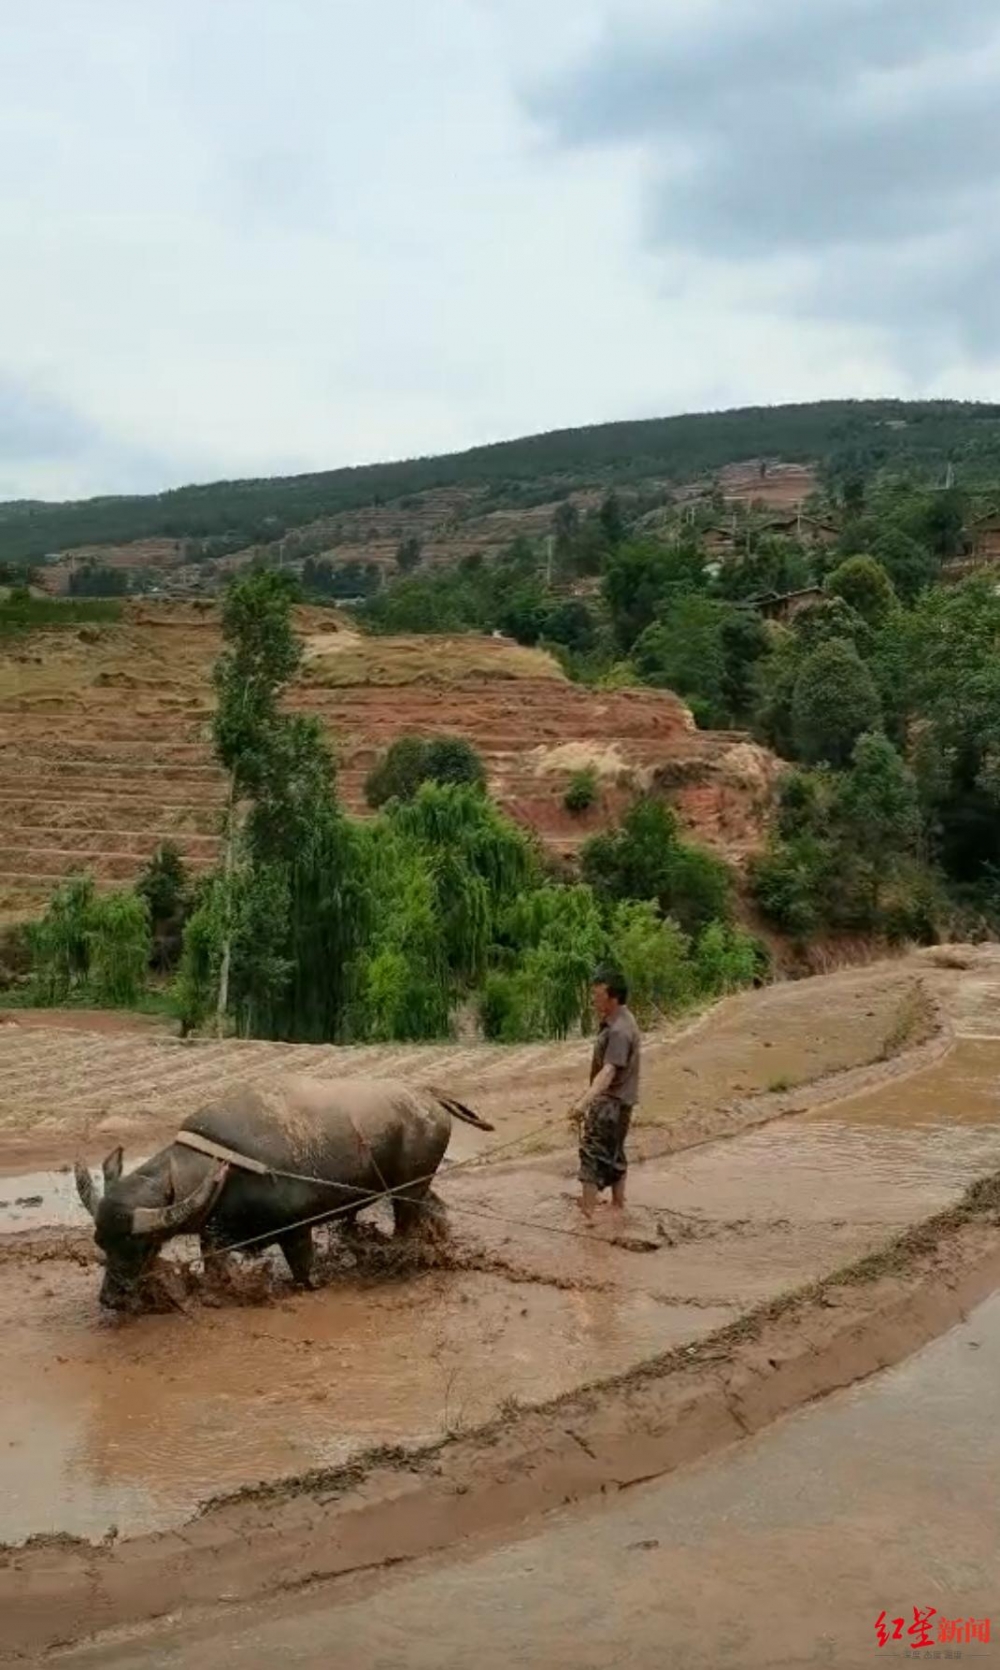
x=368, y=1197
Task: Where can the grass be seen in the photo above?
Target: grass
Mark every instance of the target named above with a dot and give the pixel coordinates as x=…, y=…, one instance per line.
x=19, y=613
x=392, y=661
x=154, y=1001
x=912, y=1023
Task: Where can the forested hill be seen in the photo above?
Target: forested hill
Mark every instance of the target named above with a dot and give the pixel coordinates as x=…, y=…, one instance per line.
x=843, y=437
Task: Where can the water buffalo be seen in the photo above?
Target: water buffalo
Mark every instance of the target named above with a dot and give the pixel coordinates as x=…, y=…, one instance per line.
x=365, y=1135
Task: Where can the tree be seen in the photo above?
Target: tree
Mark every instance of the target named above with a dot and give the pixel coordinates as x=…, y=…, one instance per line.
x=875, y=815
x=775, y=564
x=60, y=942
x=701, y=888
x=556, y=941
x=479, y=860
x=570, y=623
x=846, y=851
x=565, y=527
x=726, y=959
x=408, y=553
x=865, y=587
x=685, y=651
x=646, y=860
x=290, y=857
x=707, y=652
x=745, y=645
x=611, y=519
x=944, y=523
x=93, y=580
x=853, y=495
x=945, y=663
x=910, y=565
x=164, y=884
x=835, y=701
x=262, y=655
x=829, y=619
x=522, y=614
x=399, y=773
x=875, y=803
x=641, y=576
x=453, y=759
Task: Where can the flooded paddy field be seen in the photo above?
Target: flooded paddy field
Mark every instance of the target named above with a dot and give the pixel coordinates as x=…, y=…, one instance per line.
x=114, y=1427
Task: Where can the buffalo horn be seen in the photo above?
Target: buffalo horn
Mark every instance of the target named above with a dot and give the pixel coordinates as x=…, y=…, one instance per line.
x=167, y=1220
x=85, y=1188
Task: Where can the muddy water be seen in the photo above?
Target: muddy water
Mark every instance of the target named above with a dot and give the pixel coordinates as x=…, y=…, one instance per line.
x=134, y=1423
x=39, y=1200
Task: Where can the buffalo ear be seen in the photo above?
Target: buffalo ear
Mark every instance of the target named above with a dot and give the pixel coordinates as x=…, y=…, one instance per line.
x=113, y=1165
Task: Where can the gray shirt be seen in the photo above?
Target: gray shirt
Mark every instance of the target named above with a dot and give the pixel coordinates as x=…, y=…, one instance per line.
x=619, y=1042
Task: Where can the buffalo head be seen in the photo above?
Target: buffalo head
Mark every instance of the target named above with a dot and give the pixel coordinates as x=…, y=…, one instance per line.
x=136, y=1214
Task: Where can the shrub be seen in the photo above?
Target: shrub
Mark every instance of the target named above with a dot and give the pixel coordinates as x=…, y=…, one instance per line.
x=164, y=884
x=398, y=774
x=197, y=979
x=60, y=946
x=411, y=761
x=783, y=881
x=451, y=759
x=582, y=790
x=654, y=957
x=726, y=959
x=92, y=945
x=119, y=948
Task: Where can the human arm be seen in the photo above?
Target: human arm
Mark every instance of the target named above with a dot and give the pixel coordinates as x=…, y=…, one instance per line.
x=599, y=1087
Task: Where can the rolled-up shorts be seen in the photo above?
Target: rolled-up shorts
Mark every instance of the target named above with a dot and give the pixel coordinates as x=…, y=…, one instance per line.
x=602, y=1142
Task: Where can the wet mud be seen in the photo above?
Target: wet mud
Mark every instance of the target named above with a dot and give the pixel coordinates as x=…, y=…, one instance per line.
x=130, y=1423
x=133, y=1422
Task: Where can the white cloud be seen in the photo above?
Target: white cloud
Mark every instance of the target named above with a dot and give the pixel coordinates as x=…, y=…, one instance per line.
x=265, y=235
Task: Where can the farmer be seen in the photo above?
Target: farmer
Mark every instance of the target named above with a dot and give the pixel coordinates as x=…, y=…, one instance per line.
x=603, y=1114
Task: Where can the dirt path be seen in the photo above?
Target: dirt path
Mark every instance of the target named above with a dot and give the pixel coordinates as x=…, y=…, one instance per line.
x=681, y=1317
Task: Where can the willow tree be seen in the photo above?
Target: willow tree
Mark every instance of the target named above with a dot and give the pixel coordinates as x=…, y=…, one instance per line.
x=480, y=862
x=551, y=940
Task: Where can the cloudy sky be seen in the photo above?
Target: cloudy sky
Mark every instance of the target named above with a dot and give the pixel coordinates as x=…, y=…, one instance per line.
x=257, y=236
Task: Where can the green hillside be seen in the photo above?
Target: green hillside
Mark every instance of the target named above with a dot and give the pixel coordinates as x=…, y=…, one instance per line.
x=845, y=437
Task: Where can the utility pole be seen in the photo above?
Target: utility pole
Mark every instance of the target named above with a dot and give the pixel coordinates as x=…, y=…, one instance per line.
x=549, y=546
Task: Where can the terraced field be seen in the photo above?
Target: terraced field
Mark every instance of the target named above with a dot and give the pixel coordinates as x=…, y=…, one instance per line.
x=105, y=740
